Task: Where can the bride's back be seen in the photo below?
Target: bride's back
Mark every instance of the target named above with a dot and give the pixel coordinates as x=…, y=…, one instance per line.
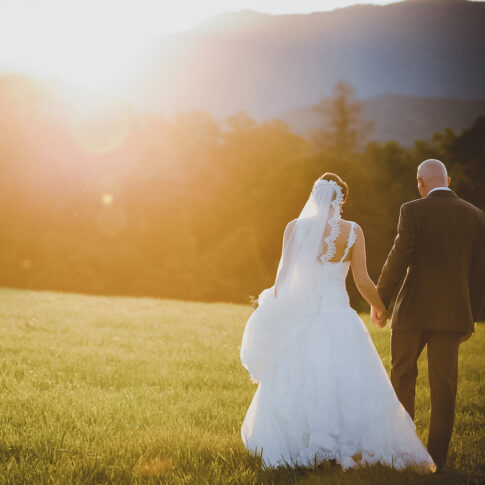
x=341, y=242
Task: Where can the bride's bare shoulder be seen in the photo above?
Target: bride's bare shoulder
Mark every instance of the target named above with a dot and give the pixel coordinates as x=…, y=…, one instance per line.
x=350, y=229
x=350, y=223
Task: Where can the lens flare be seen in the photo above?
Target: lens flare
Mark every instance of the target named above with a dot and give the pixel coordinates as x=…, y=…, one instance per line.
x=101, y=129
x=107, y=199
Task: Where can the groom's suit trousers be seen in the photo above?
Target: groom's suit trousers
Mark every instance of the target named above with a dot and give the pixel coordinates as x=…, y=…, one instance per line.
x=442, y=348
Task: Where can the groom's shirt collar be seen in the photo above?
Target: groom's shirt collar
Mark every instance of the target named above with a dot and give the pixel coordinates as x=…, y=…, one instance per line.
x=439, y=188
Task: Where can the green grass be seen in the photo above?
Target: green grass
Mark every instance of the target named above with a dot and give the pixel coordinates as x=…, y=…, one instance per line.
x=138, y=390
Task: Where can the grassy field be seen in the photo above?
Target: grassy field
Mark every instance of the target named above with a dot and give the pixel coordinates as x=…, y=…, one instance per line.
x=138, y=390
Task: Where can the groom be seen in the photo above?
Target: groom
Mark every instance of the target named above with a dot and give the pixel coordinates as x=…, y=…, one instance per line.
x=439, y=252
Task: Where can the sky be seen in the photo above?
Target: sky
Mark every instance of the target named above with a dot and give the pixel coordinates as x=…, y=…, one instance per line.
x=74, y=38
x=24, y=23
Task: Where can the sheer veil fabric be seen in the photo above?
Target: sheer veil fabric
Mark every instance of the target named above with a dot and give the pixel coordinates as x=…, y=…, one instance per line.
x=298, y=271
x=323, y=392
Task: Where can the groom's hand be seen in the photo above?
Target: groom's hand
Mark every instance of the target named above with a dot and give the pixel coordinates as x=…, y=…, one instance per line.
x=379, y=318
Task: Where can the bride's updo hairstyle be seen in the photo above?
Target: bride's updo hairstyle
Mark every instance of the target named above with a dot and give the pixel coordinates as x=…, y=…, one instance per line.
x=335, y=178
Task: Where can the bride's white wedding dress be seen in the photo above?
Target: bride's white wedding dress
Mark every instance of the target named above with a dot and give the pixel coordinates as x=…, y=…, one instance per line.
x=323, y=391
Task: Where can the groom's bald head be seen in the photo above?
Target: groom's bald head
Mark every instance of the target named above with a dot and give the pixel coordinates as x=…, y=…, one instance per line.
x=432, y=173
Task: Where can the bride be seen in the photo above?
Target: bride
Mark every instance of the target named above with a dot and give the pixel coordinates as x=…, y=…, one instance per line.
x=323, y=392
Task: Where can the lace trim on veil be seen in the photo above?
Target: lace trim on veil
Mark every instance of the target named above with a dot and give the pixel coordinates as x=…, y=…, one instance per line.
x=334, y=227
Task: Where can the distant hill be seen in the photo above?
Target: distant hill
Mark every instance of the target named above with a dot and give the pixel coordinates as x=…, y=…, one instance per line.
x=270, y=64
x=398, y=117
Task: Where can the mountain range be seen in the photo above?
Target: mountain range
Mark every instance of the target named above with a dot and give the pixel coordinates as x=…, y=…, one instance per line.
x=420, y=65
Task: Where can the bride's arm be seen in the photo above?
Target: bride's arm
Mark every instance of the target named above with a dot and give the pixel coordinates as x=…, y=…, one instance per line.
x=364, y=284
x=281, y=273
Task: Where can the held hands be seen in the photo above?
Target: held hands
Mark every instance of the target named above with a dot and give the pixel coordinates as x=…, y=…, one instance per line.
x=379, y=318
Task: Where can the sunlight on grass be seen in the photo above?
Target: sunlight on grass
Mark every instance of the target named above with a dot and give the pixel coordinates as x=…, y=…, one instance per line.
x=138, y=390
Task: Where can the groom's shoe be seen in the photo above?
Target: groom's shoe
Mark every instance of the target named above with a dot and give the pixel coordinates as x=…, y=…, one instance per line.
x=440, y=467
x=439, y=458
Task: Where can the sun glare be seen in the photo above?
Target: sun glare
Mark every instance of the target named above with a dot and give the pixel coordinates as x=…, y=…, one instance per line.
x=92, y=49
x=93, y=61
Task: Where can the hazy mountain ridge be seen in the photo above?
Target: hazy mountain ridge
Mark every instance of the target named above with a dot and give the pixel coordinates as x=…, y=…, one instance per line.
x=269, y=64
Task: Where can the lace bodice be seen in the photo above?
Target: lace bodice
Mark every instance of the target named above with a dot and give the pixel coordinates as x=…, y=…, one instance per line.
x=331, y=288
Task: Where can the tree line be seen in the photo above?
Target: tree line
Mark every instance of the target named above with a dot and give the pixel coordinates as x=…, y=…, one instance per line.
x=100, y=199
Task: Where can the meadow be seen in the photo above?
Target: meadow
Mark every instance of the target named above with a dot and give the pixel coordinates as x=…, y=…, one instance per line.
x=142, y=390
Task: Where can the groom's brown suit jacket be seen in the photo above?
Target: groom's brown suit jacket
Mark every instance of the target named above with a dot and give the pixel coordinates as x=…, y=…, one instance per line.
x=439, y=251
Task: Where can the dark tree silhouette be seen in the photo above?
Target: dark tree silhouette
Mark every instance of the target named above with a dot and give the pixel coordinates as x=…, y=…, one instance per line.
x=345, y=130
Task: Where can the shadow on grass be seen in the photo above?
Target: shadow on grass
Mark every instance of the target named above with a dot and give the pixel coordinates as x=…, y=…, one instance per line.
x=231, y=467
x=328, y=473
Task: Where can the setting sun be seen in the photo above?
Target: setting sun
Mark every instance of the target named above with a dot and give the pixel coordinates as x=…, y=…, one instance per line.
x=94, y=59
x=94, y=46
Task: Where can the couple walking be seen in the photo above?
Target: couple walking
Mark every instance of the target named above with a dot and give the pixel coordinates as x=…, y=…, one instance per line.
x=323, y=392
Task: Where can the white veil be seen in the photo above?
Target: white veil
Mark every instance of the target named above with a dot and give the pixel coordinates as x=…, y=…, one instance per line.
x=278, y=317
